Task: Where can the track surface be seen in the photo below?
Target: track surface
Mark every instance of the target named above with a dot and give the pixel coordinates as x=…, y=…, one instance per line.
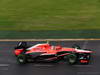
x=9, y=66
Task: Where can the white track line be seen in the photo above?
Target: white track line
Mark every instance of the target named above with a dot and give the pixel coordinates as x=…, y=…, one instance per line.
x=43, y=65
x=4, y=65
x=89, y=66
x=47, y=39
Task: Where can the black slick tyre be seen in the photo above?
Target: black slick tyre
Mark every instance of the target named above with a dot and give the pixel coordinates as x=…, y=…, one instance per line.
x=21, y=59
x=72, y=58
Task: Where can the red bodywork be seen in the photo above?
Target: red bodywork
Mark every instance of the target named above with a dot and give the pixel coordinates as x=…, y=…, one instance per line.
x=48, y=49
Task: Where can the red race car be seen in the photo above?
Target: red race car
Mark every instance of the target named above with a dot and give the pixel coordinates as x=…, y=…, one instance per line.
x=47, y=52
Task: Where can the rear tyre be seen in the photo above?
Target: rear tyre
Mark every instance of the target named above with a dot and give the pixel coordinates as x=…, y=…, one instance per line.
x=21, y=59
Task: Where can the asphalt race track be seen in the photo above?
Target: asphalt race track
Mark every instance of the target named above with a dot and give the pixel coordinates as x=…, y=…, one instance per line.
x=9, y=66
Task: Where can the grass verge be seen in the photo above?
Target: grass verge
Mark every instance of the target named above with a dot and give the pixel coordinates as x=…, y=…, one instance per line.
x=50, y=34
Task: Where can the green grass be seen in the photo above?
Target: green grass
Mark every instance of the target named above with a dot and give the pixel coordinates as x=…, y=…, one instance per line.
x=29, y=15
x=50, y=34
x=49, y=15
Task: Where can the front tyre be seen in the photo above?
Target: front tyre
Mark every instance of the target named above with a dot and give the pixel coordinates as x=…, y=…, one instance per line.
x=72, y=58
x=21, y=59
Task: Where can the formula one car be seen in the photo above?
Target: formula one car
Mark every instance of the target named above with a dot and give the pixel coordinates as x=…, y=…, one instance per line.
x=47, y=52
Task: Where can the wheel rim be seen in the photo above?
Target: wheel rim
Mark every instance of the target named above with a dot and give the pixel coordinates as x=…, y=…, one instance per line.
x=72, y=59
x=21, y=60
